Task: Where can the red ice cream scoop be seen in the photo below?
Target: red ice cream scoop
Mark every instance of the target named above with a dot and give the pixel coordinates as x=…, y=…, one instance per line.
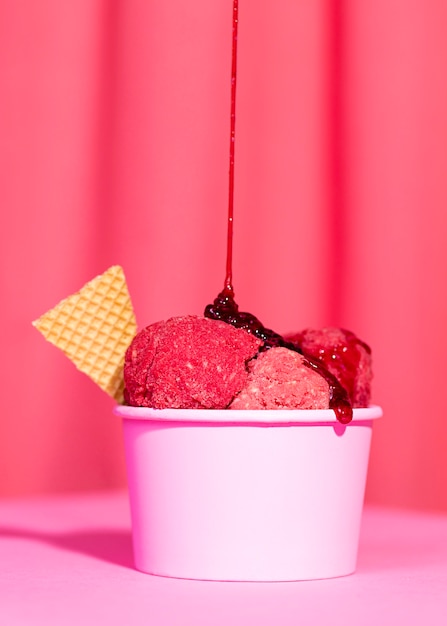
x=344, y=355
x=187, y=362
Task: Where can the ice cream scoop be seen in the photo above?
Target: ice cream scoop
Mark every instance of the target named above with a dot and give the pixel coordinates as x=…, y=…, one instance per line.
x=187, y=362
x=282, y=379
x=344, y=355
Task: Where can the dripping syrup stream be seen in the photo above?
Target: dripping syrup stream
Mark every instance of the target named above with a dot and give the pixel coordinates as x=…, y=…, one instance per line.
x=228, y=286
x=224, y=307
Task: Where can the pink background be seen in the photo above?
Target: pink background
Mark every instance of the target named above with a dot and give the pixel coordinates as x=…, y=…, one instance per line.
x=114, y=131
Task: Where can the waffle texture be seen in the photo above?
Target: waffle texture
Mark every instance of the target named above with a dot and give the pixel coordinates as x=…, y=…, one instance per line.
x=93, y=328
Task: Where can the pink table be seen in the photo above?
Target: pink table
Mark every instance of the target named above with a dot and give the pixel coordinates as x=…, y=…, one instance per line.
x=68, y=560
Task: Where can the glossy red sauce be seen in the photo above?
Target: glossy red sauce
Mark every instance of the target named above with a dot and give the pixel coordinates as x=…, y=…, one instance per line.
x=224, y=306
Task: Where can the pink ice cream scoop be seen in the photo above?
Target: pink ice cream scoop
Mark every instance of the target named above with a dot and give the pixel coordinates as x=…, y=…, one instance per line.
x=282, y=379
x=187, y=362
x=344, y=355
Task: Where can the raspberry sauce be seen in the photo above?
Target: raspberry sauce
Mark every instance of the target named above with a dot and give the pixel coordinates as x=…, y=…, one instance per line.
x=224, y=307
x=341, y=355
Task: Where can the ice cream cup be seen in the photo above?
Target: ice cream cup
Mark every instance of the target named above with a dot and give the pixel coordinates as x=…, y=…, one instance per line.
x=246, y=495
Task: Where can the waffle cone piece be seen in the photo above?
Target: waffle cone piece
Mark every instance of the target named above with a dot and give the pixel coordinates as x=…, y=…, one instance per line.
x=94, y=327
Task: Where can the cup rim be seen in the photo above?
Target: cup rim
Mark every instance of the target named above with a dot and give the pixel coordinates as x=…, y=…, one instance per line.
x=264, y=416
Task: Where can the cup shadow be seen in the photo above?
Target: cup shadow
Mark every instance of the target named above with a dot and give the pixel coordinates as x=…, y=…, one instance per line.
x=112, y=546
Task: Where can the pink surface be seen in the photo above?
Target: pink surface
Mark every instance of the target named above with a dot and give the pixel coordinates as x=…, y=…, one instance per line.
x=114, y=142
x=67, y=560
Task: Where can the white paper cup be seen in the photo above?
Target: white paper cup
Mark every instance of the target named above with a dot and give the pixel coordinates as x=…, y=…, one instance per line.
x=246, y=495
